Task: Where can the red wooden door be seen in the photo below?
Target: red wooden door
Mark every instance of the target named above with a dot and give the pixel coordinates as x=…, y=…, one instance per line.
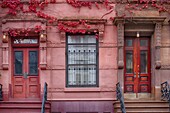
x=25, y=73
x=137, y=75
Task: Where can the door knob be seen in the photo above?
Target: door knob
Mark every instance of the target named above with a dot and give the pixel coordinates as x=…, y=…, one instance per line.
x=25, y=75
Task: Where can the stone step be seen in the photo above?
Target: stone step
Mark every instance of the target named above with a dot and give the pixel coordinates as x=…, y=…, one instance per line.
x=144, y=112
x=146, y=109
x=23, y=107
x=22, y=103
x=23, y=111
x=147, y=106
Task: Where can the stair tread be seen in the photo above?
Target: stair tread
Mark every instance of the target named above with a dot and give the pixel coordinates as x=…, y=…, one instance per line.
x=145, y=112
x=23, y=106
x=139, y=101
x=23, y=102
x=144, y=106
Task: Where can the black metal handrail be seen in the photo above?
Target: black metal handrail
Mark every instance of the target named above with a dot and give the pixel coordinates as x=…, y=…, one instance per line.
x=165, y=92
x=120, y=97
x=44, y=99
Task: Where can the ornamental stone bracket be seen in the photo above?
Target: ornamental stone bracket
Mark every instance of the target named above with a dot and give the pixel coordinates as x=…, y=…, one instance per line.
x=120, y=30
x=158, y=33
x=96, y=25
x=62, y=37
x=43, y=50
x=120, y=44
x=5, y=59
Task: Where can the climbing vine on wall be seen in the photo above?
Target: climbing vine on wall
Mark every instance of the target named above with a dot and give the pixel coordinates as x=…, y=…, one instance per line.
x=36, y=7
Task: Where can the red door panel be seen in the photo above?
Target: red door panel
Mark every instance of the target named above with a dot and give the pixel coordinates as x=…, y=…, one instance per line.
x=25, y=73
x=33, y=87
x=19, y=87
x=137, y=65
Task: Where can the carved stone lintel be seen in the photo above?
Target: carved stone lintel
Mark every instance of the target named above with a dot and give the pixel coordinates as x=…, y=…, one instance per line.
x=95, y=25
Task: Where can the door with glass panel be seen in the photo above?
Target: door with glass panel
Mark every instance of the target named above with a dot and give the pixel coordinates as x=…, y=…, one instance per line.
x=137, y=75
x=25, y=73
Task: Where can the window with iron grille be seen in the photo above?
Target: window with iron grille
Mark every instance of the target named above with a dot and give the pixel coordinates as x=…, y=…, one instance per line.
x=82, y=61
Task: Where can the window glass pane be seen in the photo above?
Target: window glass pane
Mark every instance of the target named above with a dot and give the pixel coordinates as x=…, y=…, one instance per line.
x=129, y=61
x=33, y=62
x=81, y=54
x=82, y=75
x=143, y=61
x=81, y=39
x=82, y=60
x=143, y=42
x=129, y=42
x=18, y=62
x=25, y=41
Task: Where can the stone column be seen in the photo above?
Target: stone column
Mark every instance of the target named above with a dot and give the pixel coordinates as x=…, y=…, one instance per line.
x=120, y=44
x=43, y=51
x=158, y=32
x=5, y=52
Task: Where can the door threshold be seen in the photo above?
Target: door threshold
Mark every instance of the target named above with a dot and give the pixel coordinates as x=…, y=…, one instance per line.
x=137, y=96
x=24, y=99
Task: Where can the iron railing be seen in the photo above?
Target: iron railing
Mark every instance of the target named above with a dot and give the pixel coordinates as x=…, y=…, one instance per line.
x=120, y=97
x=1, y=93
x=44, y=99
x=165, y=92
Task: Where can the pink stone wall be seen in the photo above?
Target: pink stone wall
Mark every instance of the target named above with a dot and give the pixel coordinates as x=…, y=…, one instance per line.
x=55, y=74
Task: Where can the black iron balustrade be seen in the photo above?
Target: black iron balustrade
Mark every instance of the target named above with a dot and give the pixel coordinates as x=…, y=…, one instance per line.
x=44, y=99
x=120, y=97
x=165, y=92
x=1, y=93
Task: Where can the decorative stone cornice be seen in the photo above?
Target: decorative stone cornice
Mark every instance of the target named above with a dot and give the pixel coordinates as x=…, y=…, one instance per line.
x=138, y=20
x=95, y=25
x=23, y=20
x=90, y=21
x=22, y=24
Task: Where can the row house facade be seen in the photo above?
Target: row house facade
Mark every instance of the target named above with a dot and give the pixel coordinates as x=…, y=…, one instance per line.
x=83, y=54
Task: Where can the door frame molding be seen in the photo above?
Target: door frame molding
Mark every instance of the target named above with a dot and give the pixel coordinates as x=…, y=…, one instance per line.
x=129, y=28
x=13, y=47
